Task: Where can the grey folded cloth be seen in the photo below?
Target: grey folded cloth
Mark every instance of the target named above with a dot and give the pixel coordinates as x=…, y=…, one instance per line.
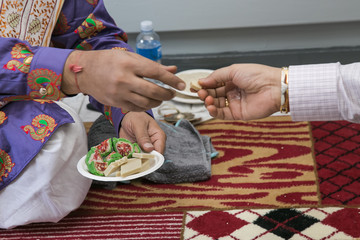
x=187, y=153
x=99, y=131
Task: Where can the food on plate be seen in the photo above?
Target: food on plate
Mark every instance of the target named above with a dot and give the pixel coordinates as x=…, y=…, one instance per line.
x=117, y=156
x=195, y=85
x=191, y=77
x=145, y=164
x=132, y=166
x=96, y=163
x=123, y=146
x=143, y=155
x=114, y=166
x=105, y=148
x=137, y=148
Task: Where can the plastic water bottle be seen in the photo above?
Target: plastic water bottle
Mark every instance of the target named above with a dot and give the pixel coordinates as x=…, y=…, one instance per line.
x=148, y=42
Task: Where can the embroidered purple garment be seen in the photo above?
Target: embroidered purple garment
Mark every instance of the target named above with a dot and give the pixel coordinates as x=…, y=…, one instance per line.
x=30, y=78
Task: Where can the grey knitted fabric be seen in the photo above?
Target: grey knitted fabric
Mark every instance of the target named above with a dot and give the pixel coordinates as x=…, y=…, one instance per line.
x=187, y=153
x=101, y=130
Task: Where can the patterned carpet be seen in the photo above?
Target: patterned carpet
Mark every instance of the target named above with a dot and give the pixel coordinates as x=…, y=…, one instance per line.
x=273, y=179
x=337, y=150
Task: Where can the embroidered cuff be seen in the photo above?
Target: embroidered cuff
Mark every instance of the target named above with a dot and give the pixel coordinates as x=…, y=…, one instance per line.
x=44, y=78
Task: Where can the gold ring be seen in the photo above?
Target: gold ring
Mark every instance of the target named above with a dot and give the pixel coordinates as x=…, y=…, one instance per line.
x=226, y=102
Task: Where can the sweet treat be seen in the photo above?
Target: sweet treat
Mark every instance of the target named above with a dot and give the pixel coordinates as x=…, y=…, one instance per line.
x=114, y=166
x=95, y=163
x=105, y=148
x=102, y=155
x=137, y=148
x=145, y=164
x=123, y=146
x=143, y=155
x=131, y=167
x=195, y=85
x=117, y=156
x=193, y=76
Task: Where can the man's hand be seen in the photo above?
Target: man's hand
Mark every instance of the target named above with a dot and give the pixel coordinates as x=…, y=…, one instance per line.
x=140, y=127
x=242, y=92
x=116, y=78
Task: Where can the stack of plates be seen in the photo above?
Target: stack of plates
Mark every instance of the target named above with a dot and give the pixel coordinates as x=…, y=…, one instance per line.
x=188, y=76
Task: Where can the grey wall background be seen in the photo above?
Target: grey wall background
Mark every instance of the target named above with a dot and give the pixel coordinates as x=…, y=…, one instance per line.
x=209, y=26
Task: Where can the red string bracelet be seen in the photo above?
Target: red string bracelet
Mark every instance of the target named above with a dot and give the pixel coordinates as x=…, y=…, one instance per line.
x=75, y=69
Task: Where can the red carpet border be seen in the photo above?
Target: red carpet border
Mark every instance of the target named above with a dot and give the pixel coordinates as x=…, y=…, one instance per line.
x=134, y=226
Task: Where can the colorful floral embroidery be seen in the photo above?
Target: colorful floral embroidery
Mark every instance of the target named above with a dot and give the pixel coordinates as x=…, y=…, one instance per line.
x=90, y=27
x=40, y=21
x=3, y=117
x=11, y=17
x=43, y=101
x=44, y=79
x=20, y=50
x=6, y=165
x=61, y=25
x=84, y=45
x=108, y=113
x=17, y=98
x=30, y=20
x=44, y=123
x=26, y=98
x=93, y=2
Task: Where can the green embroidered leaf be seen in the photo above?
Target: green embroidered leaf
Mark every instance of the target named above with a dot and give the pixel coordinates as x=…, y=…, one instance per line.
x=41, y=80
x=25, y=52
x=43, y=122
x=89, y=20
x=1, y=161
x=80, y=47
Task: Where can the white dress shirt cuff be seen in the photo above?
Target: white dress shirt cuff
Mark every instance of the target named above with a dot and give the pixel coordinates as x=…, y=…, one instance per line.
x=313, y=92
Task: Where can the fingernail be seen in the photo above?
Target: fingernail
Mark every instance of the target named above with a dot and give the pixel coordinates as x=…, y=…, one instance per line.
x=148, y=145
x=181, y=86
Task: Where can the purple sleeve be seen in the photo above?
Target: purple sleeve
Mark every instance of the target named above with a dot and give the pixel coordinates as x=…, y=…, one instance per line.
x=21, y=62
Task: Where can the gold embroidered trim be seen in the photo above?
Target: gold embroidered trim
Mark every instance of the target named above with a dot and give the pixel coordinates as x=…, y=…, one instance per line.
x=31, y=20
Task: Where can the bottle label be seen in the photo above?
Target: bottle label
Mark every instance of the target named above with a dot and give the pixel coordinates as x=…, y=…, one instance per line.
x=152, y=53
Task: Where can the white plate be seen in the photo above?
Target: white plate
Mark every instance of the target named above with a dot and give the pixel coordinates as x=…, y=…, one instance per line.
x=155, y=164
x=187, y=100
x=190, y=75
